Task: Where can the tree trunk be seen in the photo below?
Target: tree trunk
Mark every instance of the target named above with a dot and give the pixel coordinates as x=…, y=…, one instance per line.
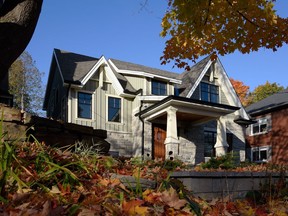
x=18, y=19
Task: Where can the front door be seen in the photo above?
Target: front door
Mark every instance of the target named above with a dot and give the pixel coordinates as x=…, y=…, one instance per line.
x=159, y=136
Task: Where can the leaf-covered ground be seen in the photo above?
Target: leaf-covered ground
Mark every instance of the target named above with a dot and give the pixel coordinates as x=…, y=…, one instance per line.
x=40, y=180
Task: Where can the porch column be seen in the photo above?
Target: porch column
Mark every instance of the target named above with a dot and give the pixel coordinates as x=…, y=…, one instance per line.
x=221, y=142
x=171, y=141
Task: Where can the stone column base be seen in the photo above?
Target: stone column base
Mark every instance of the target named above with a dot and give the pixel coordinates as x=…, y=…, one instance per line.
x=220, y=150
x=171, y=148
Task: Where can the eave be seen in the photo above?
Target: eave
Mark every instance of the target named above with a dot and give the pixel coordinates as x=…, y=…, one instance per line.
x=204, y=111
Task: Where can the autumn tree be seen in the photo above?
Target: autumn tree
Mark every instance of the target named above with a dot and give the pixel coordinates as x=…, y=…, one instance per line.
x=25, y=82
x=242, y=91
x=265, y=90
x=196, y=28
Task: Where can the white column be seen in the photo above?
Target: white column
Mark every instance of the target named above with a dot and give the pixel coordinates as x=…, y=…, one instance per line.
x=221, y=142
x=171, y=141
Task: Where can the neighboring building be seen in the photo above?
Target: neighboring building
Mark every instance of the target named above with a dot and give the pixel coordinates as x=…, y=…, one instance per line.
x=147, y=111
x=267, y=138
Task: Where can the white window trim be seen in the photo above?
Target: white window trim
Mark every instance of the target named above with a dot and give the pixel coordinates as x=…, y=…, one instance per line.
x=92, y=108
x=122, y=109
x=259, y=133
x=261, y=148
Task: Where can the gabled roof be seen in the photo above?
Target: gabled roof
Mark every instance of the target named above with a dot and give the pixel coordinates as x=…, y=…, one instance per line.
x=126, y=85
x=189, y=78
x=73, y=67
x=274, y=102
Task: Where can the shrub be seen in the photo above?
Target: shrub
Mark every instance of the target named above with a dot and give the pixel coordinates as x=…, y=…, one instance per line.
x=224, y=162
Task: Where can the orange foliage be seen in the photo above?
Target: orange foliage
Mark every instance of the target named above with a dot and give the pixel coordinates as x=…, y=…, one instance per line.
x=241, y=90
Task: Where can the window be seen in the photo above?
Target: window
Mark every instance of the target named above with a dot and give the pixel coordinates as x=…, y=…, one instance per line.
x=209, y=142
x=209, y=92
x=260, y=127
x=229, y=139
x=114, y=109
x=176, y=91
x=159, y=88
x=260, y=154
x=84, y=105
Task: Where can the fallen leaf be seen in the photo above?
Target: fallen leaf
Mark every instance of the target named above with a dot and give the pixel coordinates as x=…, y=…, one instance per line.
x=171, y=198
x=150, y=196
x=55, y=190
x=134, y=207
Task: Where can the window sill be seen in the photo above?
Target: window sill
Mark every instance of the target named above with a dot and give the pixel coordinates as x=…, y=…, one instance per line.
x=84, y=119
x=262, y=133
x=114, y=123
x=261, y=161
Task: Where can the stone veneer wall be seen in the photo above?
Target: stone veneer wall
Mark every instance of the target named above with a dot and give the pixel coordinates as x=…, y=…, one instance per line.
x=121, y=143
x=238, y=137
x=191, y=147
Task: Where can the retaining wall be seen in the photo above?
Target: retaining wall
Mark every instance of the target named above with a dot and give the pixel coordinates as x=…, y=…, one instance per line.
x=56, y=133
x=209, y=185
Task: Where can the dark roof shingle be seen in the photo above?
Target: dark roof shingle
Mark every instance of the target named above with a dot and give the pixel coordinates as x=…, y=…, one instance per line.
x=122, y=65
x=189, y=77
x=74, y=66
x=272, y=102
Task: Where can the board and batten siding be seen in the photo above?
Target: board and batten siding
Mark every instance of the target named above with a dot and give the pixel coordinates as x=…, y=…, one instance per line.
x=99, y=108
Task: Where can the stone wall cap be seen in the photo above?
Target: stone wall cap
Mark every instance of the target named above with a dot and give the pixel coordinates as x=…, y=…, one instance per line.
x=224, y=174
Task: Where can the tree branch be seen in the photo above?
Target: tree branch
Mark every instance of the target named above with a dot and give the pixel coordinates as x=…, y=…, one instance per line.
x=243, y=16
x=208, y=12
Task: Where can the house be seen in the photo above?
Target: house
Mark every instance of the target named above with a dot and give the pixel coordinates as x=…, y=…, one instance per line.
x=148, y=111
x=267, y=138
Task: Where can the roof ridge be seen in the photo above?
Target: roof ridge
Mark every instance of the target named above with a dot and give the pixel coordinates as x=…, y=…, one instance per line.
x=79, y=54
x=141, y=65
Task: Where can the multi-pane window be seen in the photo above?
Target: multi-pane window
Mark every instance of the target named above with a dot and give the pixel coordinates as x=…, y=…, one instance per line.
x=260, y=154
x=210, y=138
x=261, y=126
x=209, y=142
x=84, y=105
x=114, y=109
x=159, y=88
x=209, y=92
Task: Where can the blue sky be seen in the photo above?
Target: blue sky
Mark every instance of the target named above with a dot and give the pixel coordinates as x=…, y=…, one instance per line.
x=127, y=31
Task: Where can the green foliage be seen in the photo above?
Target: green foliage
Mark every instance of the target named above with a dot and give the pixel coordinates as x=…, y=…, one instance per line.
x=264, y=91
x=8, y=175
x=25, y=83
x=224, y=162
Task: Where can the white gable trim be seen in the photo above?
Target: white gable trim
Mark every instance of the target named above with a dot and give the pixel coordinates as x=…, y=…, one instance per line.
x=227, y=87
x=111, y=76
x=199, y=79
x=115, y=82
x=144, y=74
x=58, y=65
x=92, y=71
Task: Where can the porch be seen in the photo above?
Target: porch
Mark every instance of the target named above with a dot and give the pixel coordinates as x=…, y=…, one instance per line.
x=171, y=110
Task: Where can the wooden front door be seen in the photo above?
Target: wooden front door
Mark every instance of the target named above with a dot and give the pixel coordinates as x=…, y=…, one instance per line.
x=159, y=136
